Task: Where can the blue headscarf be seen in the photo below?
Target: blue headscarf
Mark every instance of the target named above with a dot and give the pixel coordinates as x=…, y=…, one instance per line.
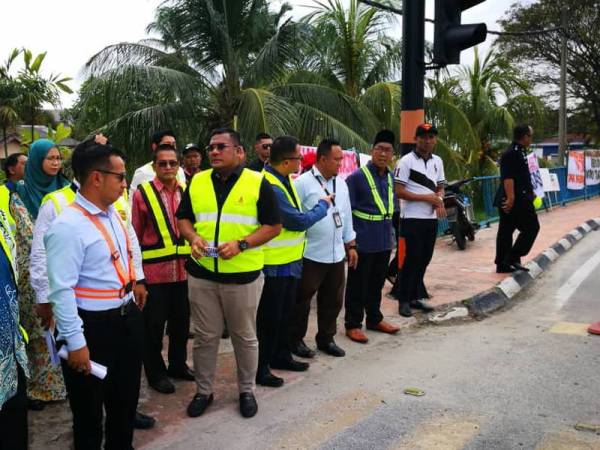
x=37, y=183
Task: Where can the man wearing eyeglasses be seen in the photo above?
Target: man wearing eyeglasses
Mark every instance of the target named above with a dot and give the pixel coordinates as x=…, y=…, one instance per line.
x=91, y=281
x=227, y=213
x=164, y=252
x=262, y=148
x=146, y=172
x=371, y=191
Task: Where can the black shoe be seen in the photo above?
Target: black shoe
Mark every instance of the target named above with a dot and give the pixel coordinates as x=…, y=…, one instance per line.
x=332, y=349
x=422, y=305
x=35, y=405
x=225, y=334
x=405, y=310
x=291, y=365
x=301, y=349
x=199, y=404
x=270, y=380
x=504, y=268
x=185, y=373
x=518, y=266
x=143, y=422
x=163, y=385
x=248, y=405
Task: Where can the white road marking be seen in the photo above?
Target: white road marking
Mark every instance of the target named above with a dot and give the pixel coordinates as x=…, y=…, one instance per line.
x=565, y=292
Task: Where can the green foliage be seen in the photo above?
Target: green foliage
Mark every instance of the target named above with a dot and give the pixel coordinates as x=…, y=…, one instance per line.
x=476, y=109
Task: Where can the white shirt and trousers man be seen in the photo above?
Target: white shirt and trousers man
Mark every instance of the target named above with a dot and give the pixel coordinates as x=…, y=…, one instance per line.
x=418, y=221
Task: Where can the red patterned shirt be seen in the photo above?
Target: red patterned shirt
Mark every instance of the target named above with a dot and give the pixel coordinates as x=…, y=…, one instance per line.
x=166, y=271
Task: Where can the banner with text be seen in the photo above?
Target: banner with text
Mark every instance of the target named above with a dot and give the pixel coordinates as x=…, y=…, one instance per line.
x=536, y=177
x=349, y=163
x=576, y=170
x=592, y=167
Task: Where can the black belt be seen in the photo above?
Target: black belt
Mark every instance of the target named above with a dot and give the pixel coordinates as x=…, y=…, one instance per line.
x=114, y=313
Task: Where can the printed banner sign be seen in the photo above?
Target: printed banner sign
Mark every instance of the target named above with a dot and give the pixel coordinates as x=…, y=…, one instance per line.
x=536, y=177
x=592, y=167
x=349, y=163
x=576, y=170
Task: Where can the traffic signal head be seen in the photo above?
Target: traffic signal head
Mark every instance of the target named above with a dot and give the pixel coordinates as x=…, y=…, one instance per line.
x=450, y=36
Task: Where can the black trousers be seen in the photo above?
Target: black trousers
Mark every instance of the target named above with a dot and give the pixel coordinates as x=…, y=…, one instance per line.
x=419, y=236
x=167, y=304
x=523, y=218
x=13, y=418
x=272, y=321
x=363, y=289
x=117, y=343
x=327, y=280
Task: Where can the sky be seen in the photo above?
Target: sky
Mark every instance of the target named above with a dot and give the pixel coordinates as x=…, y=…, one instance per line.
x=71, y=31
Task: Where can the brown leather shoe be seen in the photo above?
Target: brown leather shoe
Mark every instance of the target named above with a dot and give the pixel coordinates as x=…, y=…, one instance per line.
x=357, y=335
x=385, y=327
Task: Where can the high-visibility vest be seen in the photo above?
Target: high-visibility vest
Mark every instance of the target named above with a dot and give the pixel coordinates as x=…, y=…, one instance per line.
x=5, y=208
x=9, y=248
x=384, y=214
x=62, y=198
x=169, y=246
x=237, y=219
x=289, y=245
x=126, y=277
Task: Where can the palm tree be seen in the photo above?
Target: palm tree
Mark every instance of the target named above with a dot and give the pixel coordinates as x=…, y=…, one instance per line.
x=37, y=89
x=232, y=62
x=351, y=52
x=475, y=109
x=10, y=94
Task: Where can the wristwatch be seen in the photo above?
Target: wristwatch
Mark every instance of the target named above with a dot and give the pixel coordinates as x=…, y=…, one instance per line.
x=243, y=244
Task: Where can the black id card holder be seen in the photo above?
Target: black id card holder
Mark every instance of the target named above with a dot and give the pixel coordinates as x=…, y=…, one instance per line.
x=337, y=219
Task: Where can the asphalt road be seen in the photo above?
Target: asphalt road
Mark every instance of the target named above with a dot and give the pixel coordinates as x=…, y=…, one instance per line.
x=521, y=379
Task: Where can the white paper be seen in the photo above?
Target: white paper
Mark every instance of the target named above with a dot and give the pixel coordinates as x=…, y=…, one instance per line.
x=51, y=344
x=98, y=370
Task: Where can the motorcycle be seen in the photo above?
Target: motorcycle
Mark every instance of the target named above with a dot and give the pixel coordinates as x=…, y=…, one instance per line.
x=460, y=215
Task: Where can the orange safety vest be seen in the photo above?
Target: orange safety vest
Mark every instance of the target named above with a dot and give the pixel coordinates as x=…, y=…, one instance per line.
x=127, y=279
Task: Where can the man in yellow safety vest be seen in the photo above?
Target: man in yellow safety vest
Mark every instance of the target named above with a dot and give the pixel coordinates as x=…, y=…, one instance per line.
x=164, y=252
x=227, y=214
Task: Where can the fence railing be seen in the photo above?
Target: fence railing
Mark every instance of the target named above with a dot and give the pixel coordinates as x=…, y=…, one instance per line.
x=483, y=189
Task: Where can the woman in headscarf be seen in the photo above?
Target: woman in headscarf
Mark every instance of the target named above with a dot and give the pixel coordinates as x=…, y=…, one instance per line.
x=42, y=176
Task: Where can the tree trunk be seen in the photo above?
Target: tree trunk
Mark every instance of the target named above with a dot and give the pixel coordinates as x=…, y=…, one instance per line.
x=5, y=143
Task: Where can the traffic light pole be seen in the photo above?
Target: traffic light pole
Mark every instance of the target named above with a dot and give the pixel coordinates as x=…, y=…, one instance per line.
x=413, y=72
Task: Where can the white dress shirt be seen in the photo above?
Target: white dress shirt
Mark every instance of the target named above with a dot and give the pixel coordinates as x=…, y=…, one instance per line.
x=37, y=262
x=324, y=241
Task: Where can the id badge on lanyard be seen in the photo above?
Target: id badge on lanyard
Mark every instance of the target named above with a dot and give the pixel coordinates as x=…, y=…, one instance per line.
x=337, y=219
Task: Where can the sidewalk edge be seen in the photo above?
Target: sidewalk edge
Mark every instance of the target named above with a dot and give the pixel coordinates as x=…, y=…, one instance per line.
x=486, y=302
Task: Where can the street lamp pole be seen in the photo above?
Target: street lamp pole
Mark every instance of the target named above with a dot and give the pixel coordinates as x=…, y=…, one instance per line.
x=562, y=113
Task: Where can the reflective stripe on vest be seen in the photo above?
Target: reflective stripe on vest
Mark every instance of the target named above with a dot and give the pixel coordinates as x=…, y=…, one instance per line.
x=169, y=246
x=236, y=220
x=60, y=198
x=65, y=196
x=289, y=245
x=5, y=207
x=9, y=246
x=377, y=199
x=126, y=278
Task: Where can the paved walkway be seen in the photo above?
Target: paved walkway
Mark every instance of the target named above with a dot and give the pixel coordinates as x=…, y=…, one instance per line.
x=453, y=275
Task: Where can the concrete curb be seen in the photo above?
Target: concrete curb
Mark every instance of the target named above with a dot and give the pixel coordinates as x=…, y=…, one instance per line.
x=486, y=302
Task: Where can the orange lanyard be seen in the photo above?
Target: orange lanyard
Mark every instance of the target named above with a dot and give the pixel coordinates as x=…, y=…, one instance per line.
x=124, y=277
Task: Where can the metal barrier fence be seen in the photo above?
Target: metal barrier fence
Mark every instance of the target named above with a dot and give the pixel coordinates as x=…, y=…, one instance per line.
x=483, y=190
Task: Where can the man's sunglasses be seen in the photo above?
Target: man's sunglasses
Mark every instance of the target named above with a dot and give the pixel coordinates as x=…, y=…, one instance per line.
x=163, y=163
x=219, y=147
x=120, y=176
x=266, y=146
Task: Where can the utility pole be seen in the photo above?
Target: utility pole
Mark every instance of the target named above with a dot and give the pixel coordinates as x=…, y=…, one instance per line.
x=562, y=113
x=413, y=72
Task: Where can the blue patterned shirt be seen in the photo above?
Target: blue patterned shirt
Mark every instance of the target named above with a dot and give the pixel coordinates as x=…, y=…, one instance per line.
x=12, y=347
